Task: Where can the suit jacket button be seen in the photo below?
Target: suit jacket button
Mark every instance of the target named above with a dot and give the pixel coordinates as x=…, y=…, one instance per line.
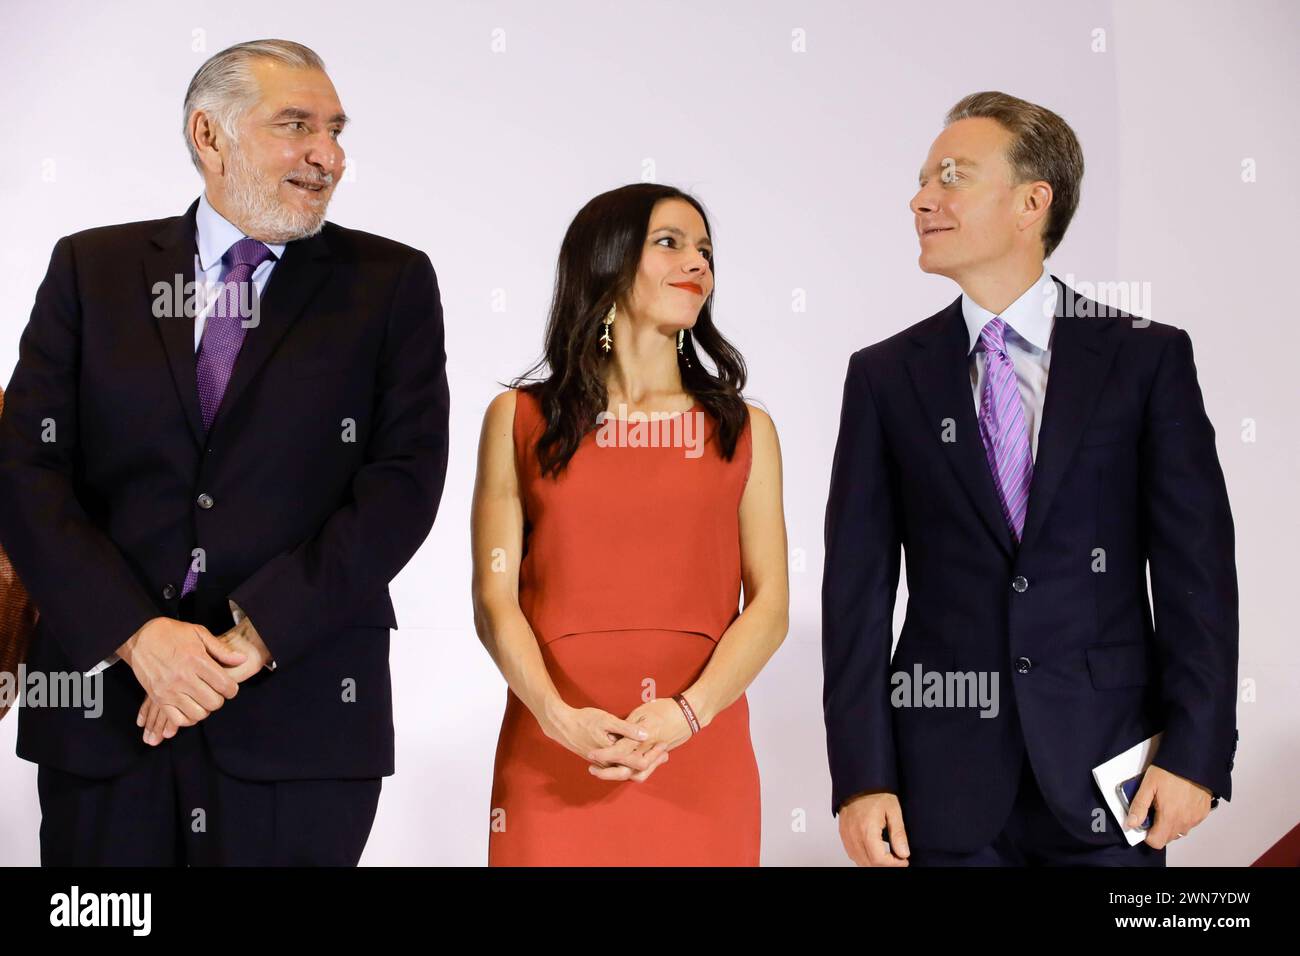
x=1019, y=584
x=205, y=501
x=169, y=592
x=1023, y=665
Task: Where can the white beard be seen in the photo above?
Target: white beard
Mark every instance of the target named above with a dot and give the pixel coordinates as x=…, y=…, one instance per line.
x=255, y=204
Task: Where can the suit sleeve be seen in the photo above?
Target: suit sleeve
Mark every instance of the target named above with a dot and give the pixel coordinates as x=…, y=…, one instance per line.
x=859, y=586
x=1190, y=547
x=86, y=591
x=301, y=594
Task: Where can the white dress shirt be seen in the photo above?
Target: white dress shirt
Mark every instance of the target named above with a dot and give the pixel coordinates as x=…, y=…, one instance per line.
x=214, y=234
x=1029, y=323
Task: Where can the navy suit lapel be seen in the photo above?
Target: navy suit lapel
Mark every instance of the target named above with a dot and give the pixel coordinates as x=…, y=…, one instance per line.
x=294, y=280
x=940, y=371
x=1082, y=353
x=168, y=262
x=292, y=283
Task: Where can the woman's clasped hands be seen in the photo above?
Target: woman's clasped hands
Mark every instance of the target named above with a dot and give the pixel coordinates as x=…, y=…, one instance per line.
x=630, y=748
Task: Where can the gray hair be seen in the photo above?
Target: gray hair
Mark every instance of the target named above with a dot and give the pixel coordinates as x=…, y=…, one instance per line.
x=224, y=87
x=1042, y=147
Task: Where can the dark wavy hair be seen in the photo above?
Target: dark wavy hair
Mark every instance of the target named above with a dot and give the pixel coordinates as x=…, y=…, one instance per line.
x=598, y=265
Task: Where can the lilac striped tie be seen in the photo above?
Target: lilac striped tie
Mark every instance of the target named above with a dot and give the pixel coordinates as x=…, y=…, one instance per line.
x=223, y=335
x=1002, y=426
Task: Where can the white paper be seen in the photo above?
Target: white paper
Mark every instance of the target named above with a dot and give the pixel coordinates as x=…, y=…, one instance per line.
x=1115, y=771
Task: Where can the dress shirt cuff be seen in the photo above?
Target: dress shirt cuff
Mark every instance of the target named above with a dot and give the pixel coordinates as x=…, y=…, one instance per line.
x=103, y=665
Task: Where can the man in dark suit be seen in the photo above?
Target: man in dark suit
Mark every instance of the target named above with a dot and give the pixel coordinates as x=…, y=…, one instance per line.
x=1029, y=509
x=208, y=504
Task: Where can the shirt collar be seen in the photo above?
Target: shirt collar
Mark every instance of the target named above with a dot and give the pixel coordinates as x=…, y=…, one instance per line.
x=1031, y=316
x=216, y=234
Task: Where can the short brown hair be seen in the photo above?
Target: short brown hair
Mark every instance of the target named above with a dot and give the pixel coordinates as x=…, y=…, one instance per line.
x=1042, y=147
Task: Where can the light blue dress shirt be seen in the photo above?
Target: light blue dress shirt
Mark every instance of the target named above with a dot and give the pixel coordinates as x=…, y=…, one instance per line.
x=215, y=234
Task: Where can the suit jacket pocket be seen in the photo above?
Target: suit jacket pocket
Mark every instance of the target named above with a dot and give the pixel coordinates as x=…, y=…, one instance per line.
x=1112, y=666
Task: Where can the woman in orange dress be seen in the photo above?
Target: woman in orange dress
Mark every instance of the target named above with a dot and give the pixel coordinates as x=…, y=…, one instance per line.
x=620, y=504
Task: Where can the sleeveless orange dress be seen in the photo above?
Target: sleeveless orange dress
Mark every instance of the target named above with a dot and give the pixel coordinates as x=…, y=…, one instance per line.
x=630, y=575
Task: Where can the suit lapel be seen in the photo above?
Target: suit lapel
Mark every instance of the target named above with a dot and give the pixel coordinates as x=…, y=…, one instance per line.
x=940, y=372
x=293, y=281
x=1082, y=353
x=169, y=262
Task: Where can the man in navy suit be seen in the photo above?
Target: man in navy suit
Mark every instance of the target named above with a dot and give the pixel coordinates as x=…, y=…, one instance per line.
x=1032, y=452
x=207, y=495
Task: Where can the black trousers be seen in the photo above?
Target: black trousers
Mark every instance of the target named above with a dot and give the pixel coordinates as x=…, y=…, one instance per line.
x=177, y=808
x=1032, y=836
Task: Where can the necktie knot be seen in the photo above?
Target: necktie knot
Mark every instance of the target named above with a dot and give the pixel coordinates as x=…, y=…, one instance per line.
x=993, y=335
x=247, y=252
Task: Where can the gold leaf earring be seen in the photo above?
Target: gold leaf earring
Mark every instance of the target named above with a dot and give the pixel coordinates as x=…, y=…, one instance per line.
x=607, y=336
x=681, y=337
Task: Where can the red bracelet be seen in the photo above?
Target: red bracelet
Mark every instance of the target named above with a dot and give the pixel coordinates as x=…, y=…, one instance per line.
x=690, y=714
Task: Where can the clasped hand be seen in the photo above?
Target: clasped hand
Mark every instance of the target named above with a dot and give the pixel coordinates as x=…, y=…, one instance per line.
x=630, y=748
x=187, y=672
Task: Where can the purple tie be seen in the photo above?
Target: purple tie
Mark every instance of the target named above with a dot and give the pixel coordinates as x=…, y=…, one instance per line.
x=1002, y=426
x=223, y=335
